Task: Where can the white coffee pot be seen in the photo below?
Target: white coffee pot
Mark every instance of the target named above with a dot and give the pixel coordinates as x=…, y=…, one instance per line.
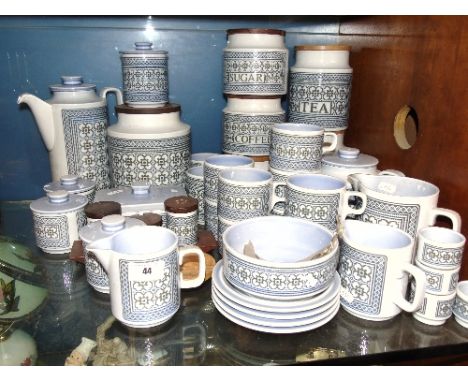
x=73, y=124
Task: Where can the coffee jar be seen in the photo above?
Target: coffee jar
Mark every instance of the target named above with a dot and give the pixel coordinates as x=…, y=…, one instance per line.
x=320, y=87
x=150, y=145
x=255, y=62
x=247, y=121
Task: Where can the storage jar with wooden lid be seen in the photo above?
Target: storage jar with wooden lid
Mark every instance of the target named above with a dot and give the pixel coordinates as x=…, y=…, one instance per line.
x=247, y=122
x=320, y=87
x=182, y=218
x=150, y=145
x=255, y=62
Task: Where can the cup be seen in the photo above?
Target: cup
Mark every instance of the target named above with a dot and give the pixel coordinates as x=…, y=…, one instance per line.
x=244, y=193
x=440, y=248
x=195, y=189
x=143, y=268
x=440, y=281
x=211, y=217
x=374, y=263
x=299, y=147
x=320, y=198
x=435, y=309
x=198, y=159
x=460, y=308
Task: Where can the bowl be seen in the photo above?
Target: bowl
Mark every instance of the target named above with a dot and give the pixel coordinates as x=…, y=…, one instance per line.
x=294, y=258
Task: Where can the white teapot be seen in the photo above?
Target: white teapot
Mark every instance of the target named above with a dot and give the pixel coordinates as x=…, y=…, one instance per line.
x=73, y=125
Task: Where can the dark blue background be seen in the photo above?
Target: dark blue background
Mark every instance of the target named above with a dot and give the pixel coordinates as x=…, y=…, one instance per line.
x=36, y=51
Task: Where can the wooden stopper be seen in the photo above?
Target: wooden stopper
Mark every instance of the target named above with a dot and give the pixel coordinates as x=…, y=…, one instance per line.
x=98, y=210
x=181, y=204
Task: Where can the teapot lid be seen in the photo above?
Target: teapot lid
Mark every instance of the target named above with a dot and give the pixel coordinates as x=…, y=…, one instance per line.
x=108, y=226
x=350, y=157
x=72, y=84
x=144, y=48
x=71, y=183
x=59, y=201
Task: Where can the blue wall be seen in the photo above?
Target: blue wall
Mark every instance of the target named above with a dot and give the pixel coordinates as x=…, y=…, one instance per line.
x=36, y=51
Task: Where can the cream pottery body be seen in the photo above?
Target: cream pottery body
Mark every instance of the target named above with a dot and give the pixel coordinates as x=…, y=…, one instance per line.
x=73, y=127
x=406, y=203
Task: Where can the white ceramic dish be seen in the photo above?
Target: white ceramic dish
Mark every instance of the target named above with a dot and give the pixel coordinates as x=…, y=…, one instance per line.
x=267, y=305
x=268, y=329
x=272, y=315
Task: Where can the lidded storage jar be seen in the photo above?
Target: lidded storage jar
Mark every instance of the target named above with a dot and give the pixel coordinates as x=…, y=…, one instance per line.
x=74, y=185
x=247, y=121
x=150, y=145
x=144, y=73
x=320, y=87
x=255, y=62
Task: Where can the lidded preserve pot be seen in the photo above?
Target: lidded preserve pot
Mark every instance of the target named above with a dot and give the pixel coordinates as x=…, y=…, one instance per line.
x=73, y=126
x=247, y=121
x=320, y=86
x=144, y=73
x=74, y=185
x=150, y=145
x=255, y=62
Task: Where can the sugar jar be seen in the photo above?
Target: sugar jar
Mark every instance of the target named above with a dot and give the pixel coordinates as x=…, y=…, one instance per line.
x=150, y=145
x=74, y=184
x=247, y=122
x=144, y=73
x=320, y=86
x=108, y=226
x=255, y=62
x=57, y=219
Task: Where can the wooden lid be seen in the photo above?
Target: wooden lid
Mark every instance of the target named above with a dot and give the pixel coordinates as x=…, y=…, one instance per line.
x=245, y=96
x=323, y=47
x=98, y=210
x=150, y=218
x=167, y=108
x=181, y=204
x=256, y=31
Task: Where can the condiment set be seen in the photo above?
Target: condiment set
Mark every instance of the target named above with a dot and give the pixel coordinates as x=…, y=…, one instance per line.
x=304, y=224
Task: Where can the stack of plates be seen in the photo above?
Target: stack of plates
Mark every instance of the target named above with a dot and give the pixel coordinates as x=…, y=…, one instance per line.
x=274, y=316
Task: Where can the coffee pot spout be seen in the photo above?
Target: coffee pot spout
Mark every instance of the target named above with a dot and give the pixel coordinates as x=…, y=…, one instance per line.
x=43, y=115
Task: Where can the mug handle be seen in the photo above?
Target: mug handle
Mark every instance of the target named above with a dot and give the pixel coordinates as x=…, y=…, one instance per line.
x=420, y=290
x=197, y=281
x=453, y=216
x=274, y=198
x=118, y=94
x=348, y=210
x=334, y=142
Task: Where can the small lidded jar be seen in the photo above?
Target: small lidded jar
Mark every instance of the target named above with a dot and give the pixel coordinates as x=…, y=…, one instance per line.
x=57, y=219
x=320, y=87
x=256, y=62
x=74, y=184
x=182, y=218
x=144, y=72
x=108, y=226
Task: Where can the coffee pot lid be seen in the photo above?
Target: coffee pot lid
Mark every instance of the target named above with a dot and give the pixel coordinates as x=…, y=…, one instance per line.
x=74, y=184
x=350, y=157
x=59, y=201
x=72, y=84
x=144, y=48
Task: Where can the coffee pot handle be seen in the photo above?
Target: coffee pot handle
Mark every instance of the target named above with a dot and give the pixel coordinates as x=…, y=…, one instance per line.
x=453, y=216
x=420, y=289
x=118, y=94
x=348, y=210
x=275, y=198
x=197, y=281
x=334, y=142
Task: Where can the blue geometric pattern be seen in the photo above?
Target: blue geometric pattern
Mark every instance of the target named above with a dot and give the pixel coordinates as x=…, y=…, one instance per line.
x=185, y=227
x=51, y=232
x=249, y=134
x=444, y=308
x=460, y=308
x=434, y=281
x=195, y=189
x=454, y=281
x=95, y=273
x=441, y=256
x=320, y=98
x=256, y=72
x=363, y=276
x=85, y=133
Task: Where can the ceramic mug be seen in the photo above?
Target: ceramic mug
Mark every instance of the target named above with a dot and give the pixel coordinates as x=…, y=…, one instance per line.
x=320, y=198
x=195, y=188
x=440, y=281
x=460, y=308
x=440, y=248
x=244, y=193
x=435, y=309
x=143, y=268
x=406, y=203
x=374, y=262
x=299, y=147
x=198, y=159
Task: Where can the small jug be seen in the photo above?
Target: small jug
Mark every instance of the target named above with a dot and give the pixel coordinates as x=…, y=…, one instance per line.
x=143, y=268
